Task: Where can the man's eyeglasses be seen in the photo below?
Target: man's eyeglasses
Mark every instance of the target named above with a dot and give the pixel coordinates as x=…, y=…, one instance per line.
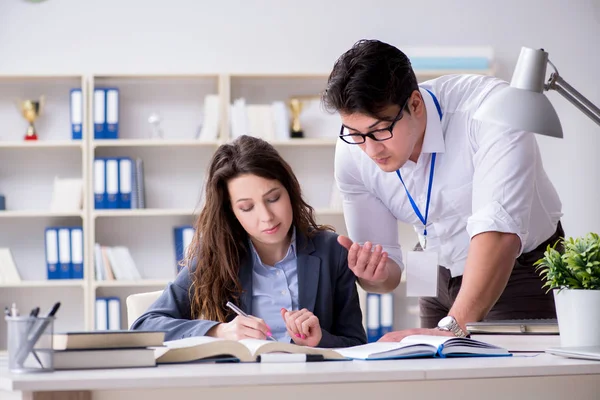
x=379, y=135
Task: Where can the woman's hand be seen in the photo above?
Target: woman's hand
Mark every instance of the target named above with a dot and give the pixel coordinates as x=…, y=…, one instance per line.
x=241, y=328
x=303, y=327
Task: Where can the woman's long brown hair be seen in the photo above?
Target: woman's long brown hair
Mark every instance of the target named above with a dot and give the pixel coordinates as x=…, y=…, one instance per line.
x=220, y=242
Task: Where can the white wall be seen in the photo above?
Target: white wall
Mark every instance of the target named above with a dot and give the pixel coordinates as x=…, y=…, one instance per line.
x=195, y=36
x=62, y=36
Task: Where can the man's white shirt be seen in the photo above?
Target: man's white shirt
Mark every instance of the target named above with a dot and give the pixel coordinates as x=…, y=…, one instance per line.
x=486, y=178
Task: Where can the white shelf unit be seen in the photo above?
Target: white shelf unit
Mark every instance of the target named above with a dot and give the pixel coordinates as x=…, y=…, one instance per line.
x=27, y=172
x=174, y=168
x=154, y=143
x=39, y=214
x=41, y=144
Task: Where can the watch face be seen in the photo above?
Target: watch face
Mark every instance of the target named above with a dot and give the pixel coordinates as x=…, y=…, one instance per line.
x=446, y=321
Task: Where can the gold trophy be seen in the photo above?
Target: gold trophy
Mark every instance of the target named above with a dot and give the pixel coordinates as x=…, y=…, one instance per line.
x=31, y=110
x=295, y=105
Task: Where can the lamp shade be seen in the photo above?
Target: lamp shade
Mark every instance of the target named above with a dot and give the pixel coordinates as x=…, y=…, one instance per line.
x=522, y=105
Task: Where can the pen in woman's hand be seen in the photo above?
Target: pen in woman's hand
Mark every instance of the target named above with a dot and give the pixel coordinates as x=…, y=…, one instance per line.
x=240, y=312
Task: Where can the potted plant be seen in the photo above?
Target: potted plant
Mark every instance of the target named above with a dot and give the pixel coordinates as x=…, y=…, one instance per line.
x=574, y=276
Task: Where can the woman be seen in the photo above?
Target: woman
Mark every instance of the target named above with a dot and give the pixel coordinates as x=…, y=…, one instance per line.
x=257, y=245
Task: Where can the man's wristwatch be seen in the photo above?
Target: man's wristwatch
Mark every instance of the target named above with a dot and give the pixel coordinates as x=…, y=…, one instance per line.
x=448, y=323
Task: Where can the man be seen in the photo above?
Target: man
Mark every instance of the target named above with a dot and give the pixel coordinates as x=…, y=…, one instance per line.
x=476, y=193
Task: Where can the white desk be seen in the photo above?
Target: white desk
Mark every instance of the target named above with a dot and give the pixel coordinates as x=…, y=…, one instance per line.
x=541, y=376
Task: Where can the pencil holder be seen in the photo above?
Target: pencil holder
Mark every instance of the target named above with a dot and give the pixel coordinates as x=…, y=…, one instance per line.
x=30, y=344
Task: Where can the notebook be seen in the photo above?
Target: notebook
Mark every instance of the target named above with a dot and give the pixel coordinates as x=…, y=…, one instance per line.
x=515, y=326
x=585, y=353
x=247, y=350
x=107, y=339
x=423, y=346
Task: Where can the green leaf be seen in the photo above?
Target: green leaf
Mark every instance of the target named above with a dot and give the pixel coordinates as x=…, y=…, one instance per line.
x=578, y=267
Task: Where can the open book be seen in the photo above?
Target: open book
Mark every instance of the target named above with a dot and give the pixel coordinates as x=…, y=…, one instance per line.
x=423, y=346
x=247, y=350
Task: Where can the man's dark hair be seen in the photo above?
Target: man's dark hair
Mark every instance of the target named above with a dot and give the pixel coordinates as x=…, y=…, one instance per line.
x=369, y=77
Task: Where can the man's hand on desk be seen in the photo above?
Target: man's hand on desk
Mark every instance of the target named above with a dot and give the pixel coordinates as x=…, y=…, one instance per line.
x=399, y=335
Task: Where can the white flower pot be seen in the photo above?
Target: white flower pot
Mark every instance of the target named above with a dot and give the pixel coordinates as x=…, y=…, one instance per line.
x=578, y=314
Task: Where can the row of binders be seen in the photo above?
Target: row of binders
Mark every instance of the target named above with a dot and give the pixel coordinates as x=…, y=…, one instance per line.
x=119, y=183
x=64, y=252
x=105, y=111
x=108, y=314
x=380, y=315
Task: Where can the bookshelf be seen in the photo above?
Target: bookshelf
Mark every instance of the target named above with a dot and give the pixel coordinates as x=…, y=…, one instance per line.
x=27, y=172
x=174, y=168
x=57, y=144
x=154, y=143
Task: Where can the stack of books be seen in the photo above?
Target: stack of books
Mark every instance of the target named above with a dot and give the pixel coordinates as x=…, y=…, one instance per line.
x=518, y=335
x=105, y=349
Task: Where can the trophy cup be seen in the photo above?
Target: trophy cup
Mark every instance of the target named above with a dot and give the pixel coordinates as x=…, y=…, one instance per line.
x=31, y=110
x=156, y=130
x=295, y=105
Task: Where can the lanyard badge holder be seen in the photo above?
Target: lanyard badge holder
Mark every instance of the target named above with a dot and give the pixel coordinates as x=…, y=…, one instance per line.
x=422, y=266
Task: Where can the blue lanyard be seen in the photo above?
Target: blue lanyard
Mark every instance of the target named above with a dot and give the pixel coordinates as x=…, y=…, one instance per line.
x=412, y=202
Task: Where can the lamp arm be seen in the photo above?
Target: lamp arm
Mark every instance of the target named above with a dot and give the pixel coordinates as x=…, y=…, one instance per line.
x=556, y=82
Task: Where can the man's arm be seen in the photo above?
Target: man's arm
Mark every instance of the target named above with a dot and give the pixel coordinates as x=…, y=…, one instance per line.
x=503, y=190
x=369, y=222
x=489, y=264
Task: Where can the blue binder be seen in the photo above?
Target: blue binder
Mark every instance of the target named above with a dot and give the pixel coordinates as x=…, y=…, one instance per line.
x=126, y=178
x=101, y=314
x=51, y=241
x=386, y=315
x=182, y=238
x=100, y=200
x=373, y=317
x=113, y=305
x=112, y=113
x=99, y=113
x=77, y=253
x=111, y=175
x=76, y=114
x=64, y=253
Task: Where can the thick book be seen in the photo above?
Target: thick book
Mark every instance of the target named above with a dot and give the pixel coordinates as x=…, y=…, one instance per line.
x=107, y=339
x=248, y=350
x=516, y=326
x=100, y=359
x=520, y=343
x=415, y=346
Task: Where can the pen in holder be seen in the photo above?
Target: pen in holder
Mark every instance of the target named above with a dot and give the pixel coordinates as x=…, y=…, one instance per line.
x=30, y=343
